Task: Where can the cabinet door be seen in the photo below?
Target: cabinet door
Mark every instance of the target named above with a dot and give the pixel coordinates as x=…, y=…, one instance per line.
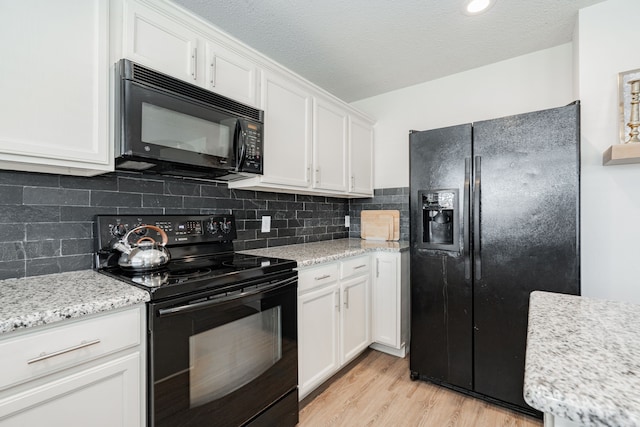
x=154, y=40
x=55, y=95
x=386, y=314
x=360, y=157
x=355, y=317
x=107, y=395
x=230, y=74
x=329, y=146
x=317, y=337
x=287, y=131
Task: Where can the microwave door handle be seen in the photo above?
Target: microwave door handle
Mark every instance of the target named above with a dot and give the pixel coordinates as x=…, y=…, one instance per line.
x=240, y=145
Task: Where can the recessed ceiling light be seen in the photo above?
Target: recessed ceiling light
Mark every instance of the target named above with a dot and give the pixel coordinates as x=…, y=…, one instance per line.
x=474, y=7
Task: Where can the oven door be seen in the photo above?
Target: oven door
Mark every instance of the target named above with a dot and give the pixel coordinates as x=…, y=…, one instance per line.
x=227, y=360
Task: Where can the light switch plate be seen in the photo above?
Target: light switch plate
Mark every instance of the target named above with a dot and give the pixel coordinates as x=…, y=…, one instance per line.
x=347, y=221
x=266, y=224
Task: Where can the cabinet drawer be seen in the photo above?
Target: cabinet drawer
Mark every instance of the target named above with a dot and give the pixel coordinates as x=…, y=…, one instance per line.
x=33, y=355
x=355, y=266
x=312, y=277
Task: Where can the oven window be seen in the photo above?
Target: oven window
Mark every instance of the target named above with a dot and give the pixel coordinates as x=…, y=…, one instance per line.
x=161, y=126
x=223, y=359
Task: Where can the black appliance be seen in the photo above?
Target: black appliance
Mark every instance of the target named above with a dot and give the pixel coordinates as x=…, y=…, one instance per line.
x=168, y=126
x=222, y=326
x=494, y=216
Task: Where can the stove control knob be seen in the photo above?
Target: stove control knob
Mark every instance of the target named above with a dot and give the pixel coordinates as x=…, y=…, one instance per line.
x=225, y=226
x=119, y=230
x=213, y=226
x=141, y=232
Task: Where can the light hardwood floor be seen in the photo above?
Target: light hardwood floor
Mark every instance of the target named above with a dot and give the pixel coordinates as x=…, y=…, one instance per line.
x=375, y=390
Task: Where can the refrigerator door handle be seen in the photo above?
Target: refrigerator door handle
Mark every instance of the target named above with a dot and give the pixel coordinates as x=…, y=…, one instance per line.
x=477, y=253
x=466, y=235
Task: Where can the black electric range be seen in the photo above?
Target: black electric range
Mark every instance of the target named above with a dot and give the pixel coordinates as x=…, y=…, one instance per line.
x=202, y=255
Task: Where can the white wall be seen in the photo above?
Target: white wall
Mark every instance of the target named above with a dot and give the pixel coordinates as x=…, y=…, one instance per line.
x=608, y=43
x=527, y=83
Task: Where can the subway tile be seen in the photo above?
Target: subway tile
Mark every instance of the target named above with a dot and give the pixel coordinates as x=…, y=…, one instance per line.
x=115, y=198
x=107, y=182
x=11, y=194
x=181, y=188
x=77, y=246
x=255, y=204
x=29, y=214
x=281, y=241
x=84, y=213
x=160, y=201
x=12, y=269
x=27, y=178
x=12, y=232
x=286, y=197
x=12, y=251
x=41, y=266
x=140, y=211
x=182, y=211
x=139, y=185
x=56, y=196
x=42, y=249
x=61, y=230
x=255, y=244
x=214, y=191
x=243, y=194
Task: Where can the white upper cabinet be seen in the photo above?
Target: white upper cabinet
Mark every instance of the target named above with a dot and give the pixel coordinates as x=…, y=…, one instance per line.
x=360, y=157
x=230, y=74
x=155, y=38
x=161, y=43
x=287, y=132
x=54, y=114
x=329, y=146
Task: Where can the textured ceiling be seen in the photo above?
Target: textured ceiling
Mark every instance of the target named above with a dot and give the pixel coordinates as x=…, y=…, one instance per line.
x=360, y=48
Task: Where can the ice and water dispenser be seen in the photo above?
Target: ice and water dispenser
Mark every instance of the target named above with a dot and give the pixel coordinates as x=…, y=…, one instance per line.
x=439, y=220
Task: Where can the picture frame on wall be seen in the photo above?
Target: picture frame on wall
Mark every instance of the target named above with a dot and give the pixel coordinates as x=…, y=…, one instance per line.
x=624, y=101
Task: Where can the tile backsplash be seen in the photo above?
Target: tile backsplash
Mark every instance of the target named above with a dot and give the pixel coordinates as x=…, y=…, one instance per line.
x=383, y=199
x=46, y=221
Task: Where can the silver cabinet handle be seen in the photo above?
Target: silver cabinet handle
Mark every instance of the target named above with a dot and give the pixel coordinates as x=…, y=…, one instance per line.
x=318, y=176
x=353, y=182
x=337, y=300
x=360, y=266
x=309, y=174
x=212, y=80
x=44, y=356
x=194, y=63
x=326, y=276
x=346, y=298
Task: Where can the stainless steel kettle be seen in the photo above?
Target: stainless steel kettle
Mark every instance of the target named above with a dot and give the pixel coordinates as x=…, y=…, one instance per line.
x=146, y=253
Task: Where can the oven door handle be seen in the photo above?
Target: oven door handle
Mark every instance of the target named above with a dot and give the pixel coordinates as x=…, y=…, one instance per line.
x=186, y=308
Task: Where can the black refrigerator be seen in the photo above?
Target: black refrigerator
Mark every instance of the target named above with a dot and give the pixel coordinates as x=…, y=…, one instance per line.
x=494, y=216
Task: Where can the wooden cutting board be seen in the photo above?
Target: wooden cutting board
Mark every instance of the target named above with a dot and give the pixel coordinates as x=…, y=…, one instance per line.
x=380, y=225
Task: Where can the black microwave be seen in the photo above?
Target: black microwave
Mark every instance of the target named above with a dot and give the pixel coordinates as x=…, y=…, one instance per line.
x=168, y=126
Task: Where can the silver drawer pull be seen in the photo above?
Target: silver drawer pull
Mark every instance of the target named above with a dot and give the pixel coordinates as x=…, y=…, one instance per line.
x=360, y=266
x=326, y=276
x=44, y=356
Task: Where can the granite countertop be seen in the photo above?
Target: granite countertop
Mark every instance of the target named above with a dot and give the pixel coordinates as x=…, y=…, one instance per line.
x=583, y=359
x=307, y=254
x=41, y=300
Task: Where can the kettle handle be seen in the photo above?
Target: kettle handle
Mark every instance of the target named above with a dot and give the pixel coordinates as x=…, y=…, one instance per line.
x=163, y=234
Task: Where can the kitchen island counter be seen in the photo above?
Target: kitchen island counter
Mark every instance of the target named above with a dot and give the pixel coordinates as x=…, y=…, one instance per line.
x=41, y=300
x=307, y=254
x=583, y=360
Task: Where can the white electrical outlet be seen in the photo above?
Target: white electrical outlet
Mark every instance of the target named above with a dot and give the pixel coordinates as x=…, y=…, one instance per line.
x=266, y=224
x=347, y=221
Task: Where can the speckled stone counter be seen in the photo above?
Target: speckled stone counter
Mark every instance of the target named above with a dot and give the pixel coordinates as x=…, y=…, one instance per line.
x=583, y=359
x=40, y=300
x=307, y=254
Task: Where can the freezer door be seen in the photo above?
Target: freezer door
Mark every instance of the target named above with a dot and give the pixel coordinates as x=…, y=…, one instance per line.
x=528, y=235
x=441, y=297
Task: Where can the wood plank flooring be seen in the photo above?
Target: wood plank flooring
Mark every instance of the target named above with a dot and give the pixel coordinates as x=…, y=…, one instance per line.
x=375, y=390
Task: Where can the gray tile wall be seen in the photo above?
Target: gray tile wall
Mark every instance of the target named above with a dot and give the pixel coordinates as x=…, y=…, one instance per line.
x=46, y=221
x=384, y=199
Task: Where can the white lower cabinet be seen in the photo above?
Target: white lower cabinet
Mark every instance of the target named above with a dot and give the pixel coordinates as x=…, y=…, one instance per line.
x=85, y=372
x=390, y=303
x=333, y=318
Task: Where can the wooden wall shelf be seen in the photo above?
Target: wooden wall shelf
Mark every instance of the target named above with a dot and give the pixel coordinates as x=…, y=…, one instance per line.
x=621, y=154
